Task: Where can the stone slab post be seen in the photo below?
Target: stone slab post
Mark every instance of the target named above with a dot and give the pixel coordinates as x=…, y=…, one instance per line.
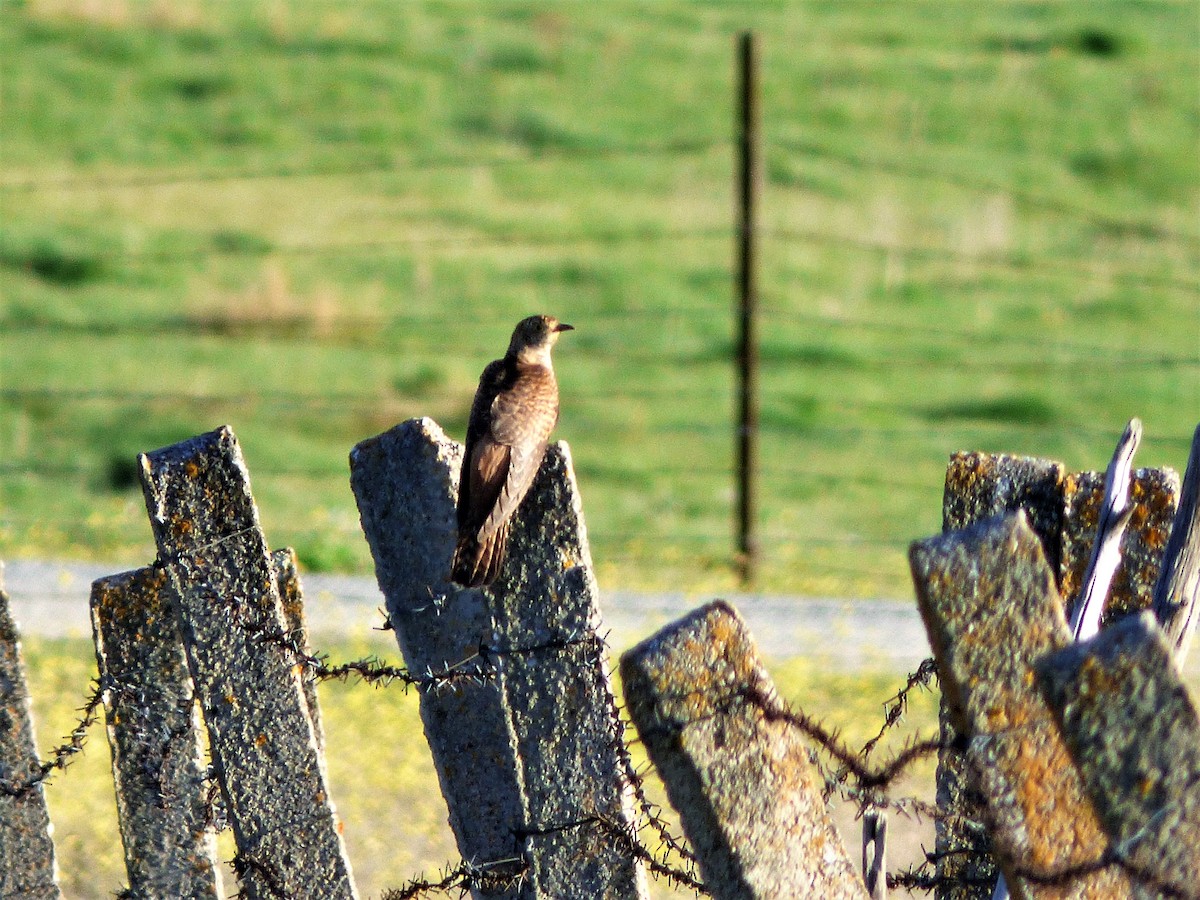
x=262, y=738
x=748, y=797
x=991, y=609
x=291, y=594
x=525, y=755
x=1154, y=496
x=27, y=870
x=978, y=487
x=1062, y=509
x=155, y=737
x=405, y=482
x=558, y=694
x=1132, y=728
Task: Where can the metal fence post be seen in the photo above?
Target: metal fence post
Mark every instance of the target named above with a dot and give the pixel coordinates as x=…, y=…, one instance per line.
x=749, y=192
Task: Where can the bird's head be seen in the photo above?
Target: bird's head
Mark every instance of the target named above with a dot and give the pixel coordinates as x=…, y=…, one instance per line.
x=533, y=337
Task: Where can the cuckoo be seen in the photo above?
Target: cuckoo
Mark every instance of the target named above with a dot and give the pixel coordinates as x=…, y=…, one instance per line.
x=515, y=409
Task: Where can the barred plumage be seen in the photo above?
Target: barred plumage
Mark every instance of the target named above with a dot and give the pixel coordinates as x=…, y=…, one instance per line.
x=515, y=409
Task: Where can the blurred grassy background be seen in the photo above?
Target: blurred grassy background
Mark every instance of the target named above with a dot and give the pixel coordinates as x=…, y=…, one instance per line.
x=311, y=220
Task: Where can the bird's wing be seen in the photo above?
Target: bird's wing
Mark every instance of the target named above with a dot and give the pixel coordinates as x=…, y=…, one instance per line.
x=522, y=466
x=477, y=495
x=522, y=417
x=487, y=479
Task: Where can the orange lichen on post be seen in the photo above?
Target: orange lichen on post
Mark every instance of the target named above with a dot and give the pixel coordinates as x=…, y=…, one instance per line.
x=1154, y=498
x=748, y=797
x=989, y=603
x=1133, y=730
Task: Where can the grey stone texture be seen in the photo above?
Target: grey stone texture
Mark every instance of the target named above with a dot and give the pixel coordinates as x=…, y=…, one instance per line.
x=1132, y=729
x=155, y=737
x=528, y=757
x=262, y=739
x=27, y=870
x=991, y=609
x=741, y=779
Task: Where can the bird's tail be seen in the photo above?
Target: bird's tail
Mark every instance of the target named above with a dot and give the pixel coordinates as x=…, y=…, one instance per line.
x=477, y=561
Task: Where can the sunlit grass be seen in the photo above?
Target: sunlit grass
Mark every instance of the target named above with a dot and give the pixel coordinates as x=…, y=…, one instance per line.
x=311, y=221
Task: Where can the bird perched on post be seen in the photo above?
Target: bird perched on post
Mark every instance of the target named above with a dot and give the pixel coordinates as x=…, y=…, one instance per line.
x=515, y=409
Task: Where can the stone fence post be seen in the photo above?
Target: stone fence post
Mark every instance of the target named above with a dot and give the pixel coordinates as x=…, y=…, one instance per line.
x=27, y=868
x=155, y=737
x=748, y=797
x=527, y=753
x=1062, y=510
x=991, y=608
x=1087, y=755
x=164, y=805
x=263, y=741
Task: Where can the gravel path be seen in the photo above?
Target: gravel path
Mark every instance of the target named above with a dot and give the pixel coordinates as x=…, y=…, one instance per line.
x=51, y=598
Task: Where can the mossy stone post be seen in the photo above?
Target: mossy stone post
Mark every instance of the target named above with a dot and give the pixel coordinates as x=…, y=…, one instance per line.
x=528, y=758
x=1154, y=496
x=557, y=691
x=978, y=487
x=405, y=482
x=1132, y=728
x=992, y=611
x=263, y=743
x=164, y=807
x=27, y=869
x=155, y=737
x=1062, y=510
x=747, y=795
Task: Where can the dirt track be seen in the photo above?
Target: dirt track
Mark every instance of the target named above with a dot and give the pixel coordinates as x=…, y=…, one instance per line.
x=51, y=598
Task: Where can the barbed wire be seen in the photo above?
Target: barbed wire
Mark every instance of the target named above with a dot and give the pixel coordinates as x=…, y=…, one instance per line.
x=496, y=877
x=868, y=789
x=64, y=754
x=401, y=165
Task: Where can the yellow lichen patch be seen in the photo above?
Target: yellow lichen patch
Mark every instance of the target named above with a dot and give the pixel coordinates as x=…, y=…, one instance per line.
x=1061, y=824
x=1147, y=785
x=1096, y=679
x=191, y=469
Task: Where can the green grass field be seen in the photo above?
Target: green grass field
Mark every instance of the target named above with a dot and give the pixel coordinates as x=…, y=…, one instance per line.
x=311, y=220
x=380, y=770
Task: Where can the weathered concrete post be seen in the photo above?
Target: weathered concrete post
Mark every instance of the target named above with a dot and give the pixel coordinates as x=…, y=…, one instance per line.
x=527, y=756
x=155, y=737
x=291, y=595
x=405, y=482
x=1154, y=496
x=558, y=694
x=262, y=738
x=748, y=798
x=155, y=732
x=989, y=603
x=1062, y=509
x=978, y=487
x=27, y=870
x=1134, y=733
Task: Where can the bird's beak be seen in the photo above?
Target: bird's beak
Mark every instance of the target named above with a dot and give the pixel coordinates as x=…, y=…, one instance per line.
x=563, y=326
